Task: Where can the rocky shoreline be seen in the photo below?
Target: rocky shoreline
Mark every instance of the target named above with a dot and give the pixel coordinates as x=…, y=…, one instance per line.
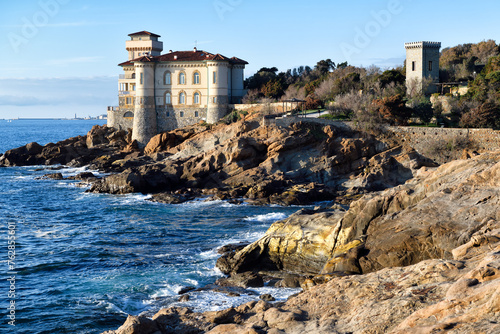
x=302, y=164
x=417, y=249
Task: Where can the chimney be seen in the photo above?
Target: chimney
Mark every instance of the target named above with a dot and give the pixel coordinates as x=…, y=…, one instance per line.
x=195, y=49
x=175, y=57
x=170, y=51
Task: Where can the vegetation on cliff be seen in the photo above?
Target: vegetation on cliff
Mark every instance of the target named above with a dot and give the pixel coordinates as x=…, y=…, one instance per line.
x=355, y=92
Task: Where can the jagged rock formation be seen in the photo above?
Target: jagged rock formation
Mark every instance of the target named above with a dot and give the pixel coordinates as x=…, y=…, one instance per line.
x=421, y=256
x=300, y=164
x=427, y=254
x=303, y=163
x=426, y=218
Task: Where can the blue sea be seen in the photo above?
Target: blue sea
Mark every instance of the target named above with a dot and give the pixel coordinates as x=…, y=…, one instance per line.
x=82, y=262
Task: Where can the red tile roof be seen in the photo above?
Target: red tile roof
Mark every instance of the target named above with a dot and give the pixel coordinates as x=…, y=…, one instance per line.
x=144, y=33
x=198, y=55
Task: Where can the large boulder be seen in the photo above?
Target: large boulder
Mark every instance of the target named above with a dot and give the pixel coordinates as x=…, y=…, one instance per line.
x=23, y=156
x=144, y=179
x=425, y=218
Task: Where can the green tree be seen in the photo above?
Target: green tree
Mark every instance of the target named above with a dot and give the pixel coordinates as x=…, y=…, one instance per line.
x=390, y=76
x=273, y=89
x=259, y=79
x=345, y=84
x=422, y=109
x=324, y=66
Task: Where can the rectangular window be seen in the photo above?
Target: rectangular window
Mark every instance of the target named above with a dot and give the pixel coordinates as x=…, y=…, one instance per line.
x=215, y=77
x=430, y=65
x=133, y=87
x=215, y=100
x=413, y=66
x=128, y=100
x=142, y=78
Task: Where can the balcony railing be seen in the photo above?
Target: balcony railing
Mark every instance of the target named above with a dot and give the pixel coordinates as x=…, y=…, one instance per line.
x=126, y=92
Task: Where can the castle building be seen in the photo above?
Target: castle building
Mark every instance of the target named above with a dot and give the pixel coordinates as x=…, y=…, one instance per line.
x=422, y=61
x=160, y=93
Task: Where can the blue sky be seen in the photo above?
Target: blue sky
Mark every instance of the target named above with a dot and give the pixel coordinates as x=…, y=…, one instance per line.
x=59, y=57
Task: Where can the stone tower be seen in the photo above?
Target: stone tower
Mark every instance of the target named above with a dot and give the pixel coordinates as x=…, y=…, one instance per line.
x=145, y=119
x=143, y=43
x=422, y=61
x=217, y=91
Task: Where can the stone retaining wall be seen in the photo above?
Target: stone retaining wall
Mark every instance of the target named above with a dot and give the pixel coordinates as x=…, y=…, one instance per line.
x=117, y=119
x=287, y=121
x=419, y=138
x=422, y=138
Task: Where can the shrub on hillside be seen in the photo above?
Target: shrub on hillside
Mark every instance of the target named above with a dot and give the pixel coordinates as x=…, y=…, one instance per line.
x=312, y=102
x=422, y=109
x=393, y=109
x=443, y=150
x=487, y=115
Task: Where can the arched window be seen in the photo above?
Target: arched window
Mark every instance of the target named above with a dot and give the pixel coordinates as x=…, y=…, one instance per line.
x=182, y=98
x=196, y=98
x=168, y=78
x=182, y=78
x=168, y=98
x=196, y=78
x=133, y=75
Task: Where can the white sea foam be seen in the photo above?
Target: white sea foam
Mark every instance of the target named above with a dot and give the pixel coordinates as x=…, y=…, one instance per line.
x=191, y=282
x=132, y=198
x=269, y=217
x=159, y=256
x=210, y=254
x=215, y=301
x=43, y=234
x=129, y=305
x=202, y=202
x=168, y=290
x=110, y=307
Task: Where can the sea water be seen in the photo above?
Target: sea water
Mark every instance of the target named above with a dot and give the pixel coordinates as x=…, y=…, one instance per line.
x=82, y=262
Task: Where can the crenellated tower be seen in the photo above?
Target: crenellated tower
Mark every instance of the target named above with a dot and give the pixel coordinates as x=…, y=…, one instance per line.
x=422, y=61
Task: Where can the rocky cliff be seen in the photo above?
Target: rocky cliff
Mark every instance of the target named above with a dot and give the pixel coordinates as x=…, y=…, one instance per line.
x=416, y=251
x=423, y=257
x=303, y=163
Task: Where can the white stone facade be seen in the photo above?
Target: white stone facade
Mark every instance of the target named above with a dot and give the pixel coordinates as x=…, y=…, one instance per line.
x=164, y=92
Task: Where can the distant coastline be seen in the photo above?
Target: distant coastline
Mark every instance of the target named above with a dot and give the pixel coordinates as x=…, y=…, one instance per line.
x=54, y=119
